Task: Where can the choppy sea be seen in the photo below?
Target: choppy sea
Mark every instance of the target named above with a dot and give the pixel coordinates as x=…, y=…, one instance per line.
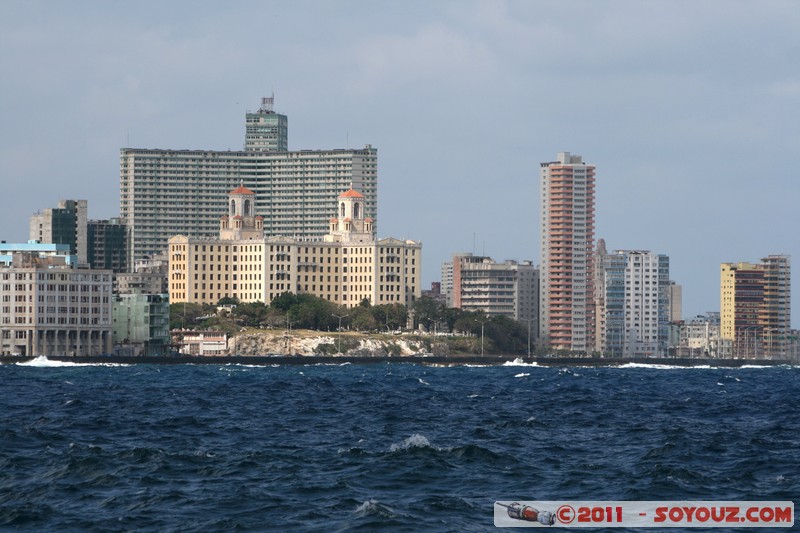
x=383, y=447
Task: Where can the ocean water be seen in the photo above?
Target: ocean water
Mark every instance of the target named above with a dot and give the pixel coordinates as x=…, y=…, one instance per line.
x=384, y=447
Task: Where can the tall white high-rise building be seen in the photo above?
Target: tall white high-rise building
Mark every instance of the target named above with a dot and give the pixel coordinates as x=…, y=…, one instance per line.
x=633, y=302
x=567, y=293
x=183, y=192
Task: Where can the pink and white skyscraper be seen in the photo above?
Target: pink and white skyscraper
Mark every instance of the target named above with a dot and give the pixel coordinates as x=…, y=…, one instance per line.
x=567, y=291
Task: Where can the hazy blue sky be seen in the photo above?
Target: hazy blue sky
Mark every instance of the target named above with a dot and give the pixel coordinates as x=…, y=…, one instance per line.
x=689, y=110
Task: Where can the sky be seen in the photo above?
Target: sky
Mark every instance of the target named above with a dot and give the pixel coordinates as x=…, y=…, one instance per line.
x=690, y=111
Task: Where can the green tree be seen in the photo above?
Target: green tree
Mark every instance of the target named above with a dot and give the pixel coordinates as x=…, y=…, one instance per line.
x=427, y=311
x=390, y=316
x=284, y=301
x=361, y=319
x=251, y=314
x=187, y=315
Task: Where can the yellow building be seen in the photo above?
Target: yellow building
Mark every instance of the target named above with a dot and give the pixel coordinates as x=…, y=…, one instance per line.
x=346, y=267
x=755, y=310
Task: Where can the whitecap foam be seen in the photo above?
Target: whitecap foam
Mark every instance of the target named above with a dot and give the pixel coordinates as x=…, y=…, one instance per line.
x=519, y=362
x=414, y=441
x=522, y=375
x=374, y=508
x=660, y=367
x=43, y=362
x=423, y=381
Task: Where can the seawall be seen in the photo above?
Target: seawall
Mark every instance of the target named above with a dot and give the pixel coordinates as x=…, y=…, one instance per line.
x=265, y=360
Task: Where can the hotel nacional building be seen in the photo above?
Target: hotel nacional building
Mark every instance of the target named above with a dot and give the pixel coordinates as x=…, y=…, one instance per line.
x=346, y=266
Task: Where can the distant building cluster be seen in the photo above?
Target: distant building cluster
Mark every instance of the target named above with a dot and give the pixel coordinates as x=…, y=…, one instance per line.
x=620, y=303
x=190, y=231
x=200, y=226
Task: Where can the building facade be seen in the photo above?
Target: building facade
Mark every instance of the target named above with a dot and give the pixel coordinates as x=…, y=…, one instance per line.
x=696, y=337
x=108, y=245
x=347, y=266
x=447, y=283
x=508, y=289
x=141, y=323
x=266, y=130
x=183, y=192
x=206, y=343
x=100, y=244
x=37, y=251
x=149, y=276
x=567, y=304
x=675, y=302
x=632, y=303
x=65, y=224
x=49, y=308
x=755, y=307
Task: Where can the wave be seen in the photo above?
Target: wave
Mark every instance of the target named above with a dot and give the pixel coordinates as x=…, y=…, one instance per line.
x=519, y=362
x=420, y=444
x=43, y=362
x=414, y=441
x=662, y=367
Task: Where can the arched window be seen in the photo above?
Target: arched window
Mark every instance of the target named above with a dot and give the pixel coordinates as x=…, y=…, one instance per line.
x=342, y=209
x=356, y=209
x=233, y=207
x=247, y=208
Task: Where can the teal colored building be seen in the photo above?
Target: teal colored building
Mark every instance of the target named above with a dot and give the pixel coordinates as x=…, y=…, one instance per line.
x=141, y=324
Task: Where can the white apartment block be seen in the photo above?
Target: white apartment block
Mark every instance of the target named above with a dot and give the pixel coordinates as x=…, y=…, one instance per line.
x=49, y=308
x=178, y=192
x=183, y=192
x=645, y=314
x=447, y=283
x=509, y=288
x=632, y=298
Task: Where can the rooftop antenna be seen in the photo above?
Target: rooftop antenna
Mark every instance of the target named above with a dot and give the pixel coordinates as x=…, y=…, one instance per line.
x=267, y=104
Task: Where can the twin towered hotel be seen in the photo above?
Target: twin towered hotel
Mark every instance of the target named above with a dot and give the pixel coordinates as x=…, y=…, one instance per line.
x=346, y=266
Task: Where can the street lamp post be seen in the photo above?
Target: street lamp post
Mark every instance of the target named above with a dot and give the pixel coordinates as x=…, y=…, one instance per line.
x=746, y=331
x=529, y=320
x=288, y=335
x=340, y=330
x=482, y=323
